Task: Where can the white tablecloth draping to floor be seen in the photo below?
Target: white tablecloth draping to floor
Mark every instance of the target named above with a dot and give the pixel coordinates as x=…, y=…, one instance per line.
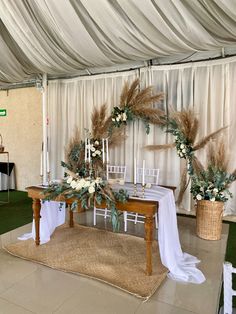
x=182, y=266
x=52, y=215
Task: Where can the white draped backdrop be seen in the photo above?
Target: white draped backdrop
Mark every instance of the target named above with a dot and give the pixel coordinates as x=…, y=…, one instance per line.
x=208, y=87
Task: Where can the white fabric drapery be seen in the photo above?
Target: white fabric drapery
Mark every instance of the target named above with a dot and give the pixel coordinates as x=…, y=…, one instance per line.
x=208, y=87
x=62, y=37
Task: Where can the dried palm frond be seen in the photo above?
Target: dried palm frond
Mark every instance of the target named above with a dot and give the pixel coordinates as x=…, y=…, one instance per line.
x=183, y=185
x=153, y=115
x=100, y=122
x=117, y=136
x=160, y=147
x=200, y=144
x=216, y=156
x=131, y=92
x=197, y=166
x=187, y=123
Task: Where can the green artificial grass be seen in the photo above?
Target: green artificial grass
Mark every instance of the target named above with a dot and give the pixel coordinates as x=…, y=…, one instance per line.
x=16, y=213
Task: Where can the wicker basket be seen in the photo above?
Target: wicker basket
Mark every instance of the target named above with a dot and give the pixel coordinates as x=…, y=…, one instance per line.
x=1, y=146
x=209, y=219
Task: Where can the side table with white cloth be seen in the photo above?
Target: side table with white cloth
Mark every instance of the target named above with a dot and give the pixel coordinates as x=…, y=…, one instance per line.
x=4, y=176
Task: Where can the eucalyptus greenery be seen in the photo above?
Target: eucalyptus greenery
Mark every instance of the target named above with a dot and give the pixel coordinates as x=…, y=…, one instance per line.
x=89, y=192
x=212, y=184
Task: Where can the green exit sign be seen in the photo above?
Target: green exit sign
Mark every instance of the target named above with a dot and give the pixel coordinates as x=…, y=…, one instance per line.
x=3, y=112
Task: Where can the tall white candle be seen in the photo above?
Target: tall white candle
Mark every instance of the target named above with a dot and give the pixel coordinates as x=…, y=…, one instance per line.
x=85, y=150
x=135, y=169
x=89, y=151
x=48, y=168
x=41, y=164
x=103, y=152
x=107, y=150
x=143, y=177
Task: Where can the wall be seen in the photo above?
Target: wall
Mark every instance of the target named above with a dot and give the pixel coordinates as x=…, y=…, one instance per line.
x=21, y=130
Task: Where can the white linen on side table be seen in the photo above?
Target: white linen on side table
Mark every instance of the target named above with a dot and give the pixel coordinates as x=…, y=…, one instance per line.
x=182, y=266
x=52, y=215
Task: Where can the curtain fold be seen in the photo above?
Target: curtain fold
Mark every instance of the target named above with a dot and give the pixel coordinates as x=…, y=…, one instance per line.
x=207, y=87
x=60, y=37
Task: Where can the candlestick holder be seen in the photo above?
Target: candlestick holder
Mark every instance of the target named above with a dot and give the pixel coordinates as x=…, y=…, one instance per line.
x=41, y=179
x=135, y=190
x=143, y=190
x=48, y=177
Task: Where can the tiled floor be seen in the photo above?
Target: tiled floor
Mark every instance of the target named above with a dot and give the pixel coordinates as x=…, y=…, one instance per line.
x=26, y=287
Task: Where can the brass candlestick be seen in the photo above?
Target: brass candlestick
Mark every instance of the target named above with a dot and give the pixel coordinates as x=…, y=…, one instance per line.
x=143, y=190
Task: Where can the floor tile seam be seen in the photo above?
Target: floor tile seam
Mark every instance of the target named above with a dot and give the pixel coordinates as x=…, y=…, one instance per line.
x=17, y=282
x=16, y=304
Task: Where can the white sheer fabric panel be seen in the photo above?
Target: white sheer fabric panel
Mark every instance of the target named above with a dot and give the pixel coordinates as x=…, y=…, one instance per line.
x=206, y=86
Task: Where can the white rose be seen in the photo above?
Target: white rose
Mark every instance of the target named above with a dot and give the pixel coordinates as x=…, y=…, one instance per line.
x=119, y=116
x=215, y=190
x=198, y=197
x=97, y=152
x=86, y=184
x=73, y=184
x=82, y=182
x=96, y=143
x=181, y=155
x=184, y=151
x=124, y=116
x=182, y=146
x=93, y=149
x=69, y=180
x=113, y=119
x=91, y=189
x=212, y=199
x=93, y=154
x=117, y=119
x=78, y=186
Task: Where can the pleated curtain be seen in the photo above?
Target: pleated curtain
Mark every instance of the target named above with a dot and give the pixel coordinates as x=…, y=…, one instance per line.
x=207, y=87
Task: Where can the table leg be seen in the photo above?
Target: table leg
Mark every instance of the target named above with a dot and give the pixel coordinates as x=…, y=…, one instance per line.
x=71, y=222
x=36, y=211
x=148, y=239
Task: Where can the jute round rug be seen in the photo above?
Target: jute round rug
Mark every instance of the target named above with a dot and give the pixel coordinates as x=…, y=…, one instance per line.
x=116, y=259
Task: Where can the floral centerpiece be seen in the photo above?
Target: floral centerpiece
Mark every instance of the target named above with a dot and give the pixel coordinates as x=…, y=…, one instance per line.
x=210, y=188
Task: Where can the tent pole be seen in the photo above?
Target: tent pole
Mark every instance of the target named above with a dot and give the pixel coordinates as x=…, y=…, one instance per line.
x=45, y=131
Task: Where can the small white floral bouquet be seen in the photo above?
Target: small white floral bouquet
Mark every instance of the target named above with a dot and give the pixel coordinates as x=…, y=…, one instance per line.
x=95, y=148
x=88, y=184
x=120, y=116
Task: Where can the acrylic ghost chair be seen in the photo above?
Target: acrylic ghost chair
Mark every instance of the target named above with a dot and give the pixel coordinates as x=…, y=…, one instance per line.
x=151, y=177
x=114, y=174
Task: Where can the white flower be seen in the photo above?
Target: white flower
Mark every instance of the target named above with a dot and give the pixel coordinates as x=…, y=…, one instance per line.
x=96, y=143
x=73, y=184
x=182, y=146
x=92, y=183
x=113, y=119
x=215, y=190
x=93, y=154
x=117, y=119
x=119, y=116
x=124, y=116
x=69, y=180
x=93, y=149
x=78, y=186
x=86, y=184
x=181, y=154
x=184, y=151
x=97, y=152
x=198, y=197
x=91, y=189
x=212, y=199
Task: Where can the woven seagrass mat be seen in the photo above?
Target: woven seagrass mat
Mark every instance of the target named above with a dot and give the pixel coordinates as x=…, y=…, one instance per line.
x=116, y=259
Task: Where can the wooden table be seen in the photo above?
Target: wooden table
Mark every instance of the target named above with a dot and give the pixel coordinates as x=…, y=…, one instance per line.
x=146, y=208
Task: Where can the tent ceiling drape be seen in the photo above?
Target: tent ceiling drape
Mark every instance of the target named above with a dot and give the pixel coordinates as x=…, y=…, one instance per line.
x=61, y=37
